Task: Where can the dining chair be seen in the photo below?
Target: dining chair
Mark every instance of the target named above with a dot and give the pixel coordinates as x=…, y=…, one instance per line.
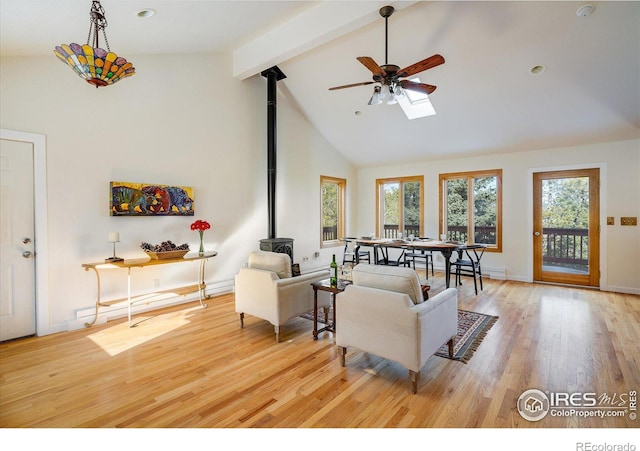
x=382, y=256
x=413, y=254
x=349, y=255
x=470, y=266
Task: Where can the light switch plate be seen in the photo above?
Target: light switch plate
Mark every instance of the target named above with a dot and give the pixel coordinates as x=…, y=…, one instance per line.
x=611, y=220
x=629, y=220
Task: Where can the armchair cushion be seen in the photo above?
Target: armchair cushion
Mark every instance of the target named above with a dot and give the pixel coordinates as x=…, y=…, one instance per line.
x=399, y=280
x=278, y=263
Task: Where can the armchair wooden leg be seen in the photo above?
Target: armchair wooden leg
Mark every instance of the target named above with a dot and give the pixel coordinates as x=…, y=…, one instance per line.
x=277, y=329
x=414, y=376
x=451, y=343
x=343, y=352
x=241, y=320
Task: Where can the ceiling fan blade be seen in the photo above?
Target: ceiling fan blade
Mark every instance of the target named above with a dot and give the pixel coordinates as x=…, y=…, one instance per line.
x=370, y=64
x=352, y=85
x=420, y=66
x=420, y=87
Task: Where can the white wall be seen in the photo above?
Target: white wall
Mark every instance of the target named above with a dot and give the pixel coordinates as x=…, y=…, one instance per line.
x=182, y=119
x=620, y=196
x=307, y=156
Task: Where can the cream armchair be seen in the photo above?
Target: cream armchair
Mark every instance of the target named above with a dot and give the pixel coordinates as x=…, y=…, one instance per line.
x=384, y=313
x=266, y=289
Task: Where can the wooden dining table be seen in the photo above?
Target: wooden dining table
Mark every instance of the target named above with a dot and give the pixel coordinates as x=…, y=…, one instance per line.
x=446, y=248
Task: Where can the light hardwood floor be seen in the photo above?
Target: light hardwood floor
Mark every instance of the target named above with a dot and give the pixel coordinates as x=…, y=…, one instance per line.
x=192, y=367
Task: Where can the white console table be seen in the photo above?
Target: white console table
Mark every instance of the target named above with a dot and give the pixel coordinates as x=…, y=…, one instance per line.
x=199, y=287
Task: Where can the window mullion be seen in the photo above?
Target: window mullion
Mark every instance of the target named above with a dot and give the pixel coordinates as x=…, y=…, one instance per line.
x=470, y=215
x=401, y=209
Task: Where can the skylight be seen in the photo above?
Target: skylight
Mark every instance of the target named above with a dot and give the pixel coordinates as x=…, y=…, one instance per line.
x=416, y=104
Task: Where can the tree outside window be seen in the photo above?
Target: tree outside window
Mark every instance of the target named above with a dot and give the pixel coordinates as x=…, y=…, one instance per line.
x=565, y=223
x=471, y=207
x=400, y=207
x=332, y=191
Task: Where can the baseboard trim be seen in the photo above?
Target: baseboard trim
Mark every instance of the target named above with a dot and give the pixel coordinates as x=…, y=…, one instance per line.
x=625, y=290
x=489, y=273
x=154, y=302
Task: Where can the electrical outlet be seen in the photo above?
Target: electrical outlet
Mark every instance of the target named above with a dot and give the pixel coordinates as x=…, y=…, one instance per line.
x=629, y=220
x=316, y=254
x=156, y=283
x=304, y=259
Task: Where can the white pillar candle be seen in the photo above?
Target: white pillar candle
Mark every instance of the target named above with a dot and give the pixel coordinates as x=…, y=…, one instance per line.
x=114, y=237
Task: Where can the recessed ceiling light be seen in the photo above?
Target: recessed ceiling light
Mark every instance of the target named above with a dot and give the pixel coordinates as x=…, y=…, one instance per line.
x=147, y=12
x=535, y=70
x=585, y=10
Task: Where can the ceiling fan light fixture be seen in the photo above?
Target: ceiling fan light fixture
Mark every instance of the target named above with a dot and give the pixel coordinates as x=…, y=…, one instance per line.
x=385, y=94
x=398, y=91
x=375, y=98
x=391, y=89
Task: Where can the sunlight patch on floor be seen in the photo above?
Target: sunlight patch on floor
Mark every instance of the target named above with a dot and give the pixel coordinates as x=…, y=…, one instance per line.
x=120, y=337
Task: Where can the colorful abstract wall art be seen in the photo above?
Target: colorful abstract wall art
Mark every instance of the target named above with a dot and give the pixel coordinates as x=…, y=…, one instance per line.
x=143, y=199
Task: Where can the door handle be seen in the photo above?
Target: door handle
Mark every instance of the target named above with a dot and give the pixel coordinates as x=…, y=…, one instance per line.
x=536, y=233
x=26, y=254
x=26, y=240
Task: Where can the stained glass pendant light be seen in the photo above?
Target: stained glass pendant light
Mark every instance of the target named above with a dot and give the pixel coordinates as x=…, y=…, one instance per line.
x=97, y=66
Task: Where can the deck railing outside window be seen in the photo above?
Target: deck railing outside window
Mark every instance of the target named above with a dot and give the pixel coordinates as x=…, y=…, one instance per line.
x=565, y=247
x=561, y=246
x=483, y=235
x=391, y=230
x=330, y=233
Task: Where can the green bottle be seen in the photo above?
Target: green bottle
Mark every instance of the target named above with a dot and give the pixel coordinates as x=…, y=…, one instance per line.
x=334, y=271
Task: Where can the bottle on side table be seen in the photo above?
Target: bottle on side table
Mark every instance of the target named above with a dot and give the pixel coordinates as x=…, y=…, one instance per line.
x=334, y=272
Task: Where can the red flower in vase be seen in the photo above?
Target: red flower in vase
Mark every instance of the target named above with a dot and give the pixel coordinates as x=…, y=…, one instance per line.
x=201, y=226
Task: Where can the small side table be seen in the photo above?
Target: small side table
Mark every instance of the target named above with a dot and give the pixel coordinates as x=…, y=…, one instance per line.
x=325, y=285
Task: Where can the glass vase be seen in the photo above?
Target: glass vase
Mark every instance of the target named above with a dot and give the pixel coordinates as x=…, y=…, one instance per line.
x=201, y=250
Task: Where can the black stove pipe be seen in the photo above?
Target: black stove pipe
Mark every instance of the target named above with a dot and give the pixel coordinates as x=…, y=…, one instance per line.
x=273, y=75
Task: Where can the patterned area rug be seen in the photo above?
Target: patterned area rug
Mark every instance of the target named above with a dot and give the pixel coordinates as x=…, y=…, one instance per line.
x=472, y=328
x=309, y=315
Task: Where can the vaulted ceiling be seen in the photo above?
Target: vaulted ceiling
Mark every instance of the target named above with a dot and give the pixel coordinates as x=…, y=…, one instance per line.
x=487, y=100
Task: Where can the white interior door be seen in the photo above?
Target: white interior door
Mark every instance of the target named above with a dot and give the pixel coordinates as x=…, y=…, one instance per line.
x=17, y=250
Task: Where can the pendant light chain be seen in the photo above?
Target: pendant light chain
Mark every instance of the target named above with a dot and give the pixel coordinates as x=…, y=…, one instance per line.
x=106, y=41
x=89, y=35
x=98, y=21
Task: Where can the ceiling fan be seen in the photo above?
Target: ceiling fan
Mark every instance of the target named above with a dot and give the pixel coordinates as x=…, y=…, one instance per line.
x=390, y=76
